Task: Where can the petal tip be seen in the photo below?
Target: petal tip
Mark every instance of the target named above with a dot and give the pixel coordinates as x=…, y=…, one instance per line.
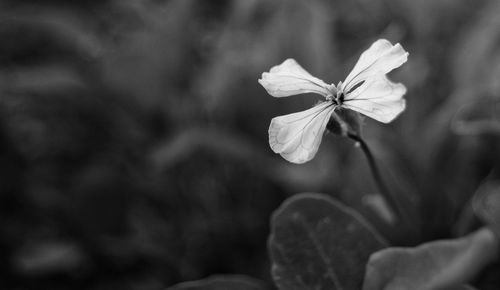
x=401, y=109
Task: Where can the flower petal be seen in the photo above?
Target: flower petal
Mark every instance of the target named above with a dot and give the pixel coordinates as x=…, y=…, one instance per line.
x=377, y=98
x=289, y=78
x=381, y=58
x=297, y=136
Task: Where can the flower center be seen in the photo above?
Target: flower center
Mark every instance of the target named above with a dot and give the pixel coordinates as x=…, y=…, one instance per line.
x=338, y=100
x=336, y=96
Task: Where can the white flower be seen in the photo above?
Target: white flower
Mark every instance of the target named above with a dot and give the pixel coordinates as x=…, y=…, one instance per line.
x=365, y=90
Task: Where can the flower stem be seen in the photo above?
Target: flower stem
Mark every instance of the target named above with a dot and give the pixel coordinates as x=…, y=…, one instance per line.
x=379, y=181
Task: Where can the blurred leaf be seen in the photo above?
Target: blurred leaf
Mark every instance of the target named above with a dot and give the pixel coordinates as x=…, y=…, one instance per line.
x=47, y=78
x=43, y=35
x=223, y=282
x=466, y=221
x=478, y=117
x=49, y=257
x=182, y=145
x=318, y=243
x=434, y=265
x=486, y=204
x=379, y=205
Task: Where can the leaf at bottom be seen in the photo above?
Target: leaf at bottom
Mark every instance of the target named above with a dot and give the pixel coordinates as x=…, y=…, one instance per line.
x=222, y=282
x=318, y=243
x=436, y=265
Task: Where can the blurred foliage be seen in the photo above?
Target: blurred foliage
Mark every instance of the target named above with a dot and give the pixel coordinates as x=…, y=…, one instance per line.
x=133, y=134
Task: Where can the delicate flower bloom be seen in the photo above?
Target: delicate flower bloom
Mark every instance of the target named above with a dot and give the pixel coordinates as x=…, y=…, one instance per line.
x=365, y=90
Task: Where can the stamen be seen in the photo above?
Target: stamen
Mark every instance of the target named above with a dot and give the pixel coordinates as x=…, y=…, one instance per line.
x=339, y=99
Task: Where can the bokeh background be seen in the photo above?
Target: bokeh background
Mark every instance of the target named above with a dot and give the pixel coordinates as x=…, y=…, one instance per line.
x=133, y=133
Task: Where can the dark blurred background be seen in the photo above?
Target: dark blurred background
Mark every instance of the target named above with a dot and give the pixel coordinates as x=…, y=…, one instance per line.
x=133, y=133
